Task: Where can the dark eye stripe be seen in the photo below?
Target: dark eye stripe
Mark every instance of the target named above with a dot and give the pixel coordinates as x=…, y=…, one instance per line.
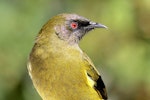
x=84, y=23
x=80, y=24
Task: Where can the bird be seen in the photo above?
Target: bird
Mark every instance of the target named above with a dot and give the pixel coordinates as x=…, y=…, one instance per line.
x=58, y=68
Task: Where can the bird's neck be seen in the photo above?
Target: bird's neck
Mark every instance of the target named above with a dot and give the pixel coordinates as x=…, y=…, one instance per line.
x=52, y=44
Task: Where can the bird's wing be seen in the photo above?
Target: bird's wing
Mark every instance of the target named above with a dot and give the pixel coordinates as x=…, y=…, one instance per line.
x=95, y=77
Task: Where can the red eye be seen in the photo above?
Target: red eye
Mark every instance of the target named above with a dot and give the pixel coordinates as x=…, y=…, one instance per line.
x=74, y=25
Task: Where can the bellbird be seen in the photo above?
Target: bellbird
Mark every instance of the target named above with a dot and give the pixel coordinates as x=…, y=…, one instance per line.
x=59, y=69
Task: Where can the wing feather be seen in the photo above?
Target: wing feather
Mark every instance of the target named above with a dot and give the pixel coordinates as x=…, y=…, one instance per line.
x=94, y=75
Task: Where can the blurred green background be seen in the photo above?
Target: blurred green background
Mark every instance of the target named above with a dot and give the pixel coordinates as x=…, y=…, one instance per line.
x=121, y=53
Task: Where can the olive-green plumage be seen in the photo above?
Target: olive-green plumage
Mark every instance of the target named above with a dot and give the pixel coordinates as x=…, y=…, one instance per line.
x=58, y=67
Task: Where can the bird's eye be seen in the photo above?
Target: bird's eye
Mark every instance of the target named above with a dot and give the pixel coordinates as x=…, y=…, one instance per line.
x=74, y=25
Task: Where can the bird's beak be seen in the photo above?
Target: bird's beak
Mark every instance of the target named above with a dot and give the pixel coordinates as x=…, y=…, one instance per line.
x=96, y=25
x=93, y=25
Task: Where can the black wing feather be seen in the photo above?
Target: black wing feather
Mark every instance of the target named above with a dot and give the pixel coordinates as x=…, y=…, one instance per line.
x=100, y=86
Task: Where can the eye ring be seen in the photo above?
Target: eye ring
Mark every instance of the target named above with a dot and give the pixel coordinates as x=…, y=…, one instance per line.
x=74, y=25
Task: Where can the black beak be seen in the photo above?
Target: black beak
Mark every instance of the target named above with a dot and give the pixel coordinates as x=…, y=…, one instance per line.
x=96, y=25
x=93, y=25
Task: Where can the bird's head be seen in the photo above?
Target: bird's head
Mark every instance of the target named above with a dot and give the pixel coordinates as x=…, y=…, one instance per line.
x=71, y=27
